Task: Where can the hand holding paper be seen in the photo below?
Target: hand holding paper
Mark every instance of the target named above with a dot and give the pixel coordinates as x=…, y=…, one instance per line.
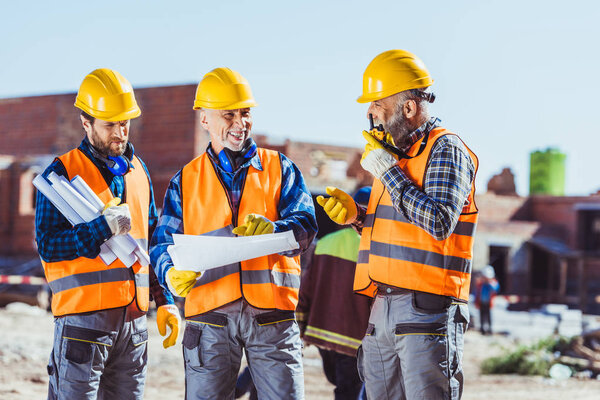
x=200, y=253
x=254, y=224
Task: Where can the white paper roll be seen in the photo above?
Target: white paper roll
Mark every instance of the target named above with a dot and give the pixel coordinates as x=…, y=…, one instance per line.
x=82, y=187
x=199, y=253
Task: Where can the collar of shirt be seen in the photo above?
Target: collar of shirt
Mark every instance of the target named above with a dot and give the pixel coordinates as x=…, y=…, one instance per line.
x=421, y=131
x=254, y=161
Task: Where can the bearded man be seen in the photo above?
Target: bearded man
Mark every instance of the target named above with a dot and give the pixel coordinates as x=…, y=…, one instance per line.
x=100, y=310
x=417, y=237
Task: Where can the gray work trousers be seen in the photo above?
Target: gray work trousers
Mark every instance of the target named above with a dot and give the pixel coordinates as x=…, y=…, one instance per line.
x=99, y=355
x=413, y=347
x=212, y=351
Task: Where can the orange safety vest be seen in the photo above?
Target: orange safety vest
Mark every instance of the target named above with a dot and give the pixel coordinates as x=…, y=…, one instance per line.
x=265, y=282
x=397, y=253
x=84, y=284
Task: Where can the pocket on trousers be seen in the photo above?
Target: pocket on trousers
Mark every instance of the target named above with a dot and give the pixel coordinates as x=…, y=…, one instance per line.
x=79, y=352
x=139, y=338
x=433, y=329
x=191, y=347
x=428, y=303
x=273, y=317
x=80, y=347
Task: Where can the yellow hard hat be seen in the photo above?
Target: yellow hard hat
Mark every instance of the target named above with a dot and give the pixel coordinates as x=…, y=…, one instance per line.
x=223, y=89
x=392, y=72
x=107, y=95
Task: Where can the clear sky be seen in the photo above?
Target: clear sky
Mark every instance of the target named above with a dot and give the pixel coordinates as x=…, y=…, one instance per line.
x=510, y=76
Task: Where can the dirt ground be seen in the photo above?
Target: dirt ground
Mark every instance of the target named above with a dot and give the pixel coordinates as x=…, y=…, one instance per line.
x=26, y=340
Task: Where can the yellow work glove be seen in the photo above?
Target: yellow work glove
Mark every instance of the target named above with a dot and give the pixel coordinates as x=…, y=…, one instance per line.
x=254, y=224
x=340, y=207
x=168, y=315
x=181, y=282
x=376, y=159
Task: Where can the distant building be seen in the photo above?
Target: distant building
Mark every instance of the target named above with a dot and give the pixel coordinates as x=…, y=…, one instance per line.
x=545, y=249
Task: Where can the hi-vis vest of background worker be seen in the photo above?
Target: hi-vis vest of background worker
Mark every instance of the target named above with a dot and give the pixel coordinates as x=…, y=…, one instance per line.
x=265, y=282
x=84, y=284
x=397, y=253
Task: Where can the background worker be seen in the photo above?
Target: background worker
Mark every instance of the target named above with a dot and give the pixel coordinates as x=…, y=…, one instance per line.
x=417, y=237
x=235, y=188
x=330, y=315
x=100, y=310
x=487, y=287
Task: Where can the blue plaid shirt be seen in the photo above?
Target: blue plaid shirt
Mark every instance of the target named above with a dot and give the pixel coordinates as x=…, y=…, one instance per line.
x=57, y=240
x=437, y=206
x=296, y=209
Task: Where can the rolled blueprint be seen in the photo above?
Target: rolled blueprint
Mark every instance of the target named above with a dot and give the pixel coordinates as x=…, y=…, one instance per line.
x=199, y=253
x=67, y=211
x=82, y=187
x=78, y=203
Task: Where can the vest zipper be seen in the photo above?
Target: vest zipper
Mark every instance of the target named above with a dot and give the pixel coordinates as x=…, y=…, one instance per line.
x=234, y=211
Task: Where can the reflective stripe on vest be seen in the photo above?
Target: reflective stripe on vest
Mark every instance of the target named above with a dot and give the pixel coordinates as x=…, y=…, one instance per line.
x=397, y=253
x=266, y=282
x=83, y=284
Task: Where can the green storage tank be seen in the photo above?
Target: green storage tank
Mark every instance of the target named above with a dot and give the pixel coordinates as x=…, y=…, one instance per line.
x=547, y=172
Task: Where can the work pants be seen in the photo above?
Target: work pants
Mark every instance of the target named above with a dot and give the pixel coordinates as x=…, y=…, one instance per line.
x=413, y=347
x=341, y=371
x=212, y=351
x=99, y=355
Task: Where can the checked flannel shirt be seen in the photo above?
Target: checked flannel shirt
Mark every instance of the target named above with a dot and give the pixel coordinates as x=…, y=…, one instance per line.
x=58, y=240
x=437, y=206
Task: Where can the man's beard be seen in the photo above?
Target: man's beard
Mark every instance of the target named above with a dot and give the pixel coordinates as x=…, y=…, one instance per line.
x=105, y=148
x=399, y=128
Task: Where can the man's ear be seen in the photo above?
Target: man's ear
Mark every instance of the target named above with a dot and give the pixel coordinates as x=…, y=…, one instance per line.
x=87, y=125
x=203, y=120
x=409, y=109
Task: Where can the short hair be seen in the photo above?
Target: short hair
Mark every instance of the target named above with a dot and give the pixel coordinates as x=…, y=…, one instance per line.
x=88, y=117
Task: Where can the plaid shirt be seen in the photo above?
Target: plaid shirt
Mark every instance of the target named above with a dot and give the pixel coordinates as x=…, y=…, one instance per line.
x=57, y=240
x=437, y=206
x=296, y=209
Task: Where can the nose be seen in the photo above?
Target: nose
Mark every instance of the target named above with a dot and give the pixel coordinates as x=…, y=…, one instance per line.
x=371, y=110
x=122, y=130
x=239, y=120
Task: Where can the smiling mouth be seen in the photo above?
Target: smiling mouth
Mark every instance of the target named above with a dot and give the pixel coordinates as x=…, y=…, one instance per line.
x=237, y=135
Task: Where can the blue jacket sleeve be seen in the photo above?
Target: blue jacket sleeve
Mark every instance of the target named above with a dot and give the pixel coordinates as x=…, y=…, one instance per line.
x=296, y=208
x=160, y=295
x=170, y=222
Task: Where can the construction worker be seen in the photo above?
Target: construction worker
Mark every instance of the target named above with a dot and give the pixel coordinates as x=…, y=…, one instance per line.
x=330, y=316
x=100, y=310
x=486, y=289
x=235, y=188
x=417, y=236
